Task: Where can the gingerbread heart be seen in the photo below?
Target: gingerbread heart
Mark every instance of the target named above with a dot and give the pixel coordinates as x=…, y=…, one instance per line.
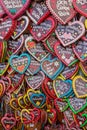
x=77, y=105
x=80, y=50
x=33, y=68
x=20, y=63
x=79, y=87
x=22, y=24
x=27, y=116
x=40, y=32
x=70, y=71
x=62, y=88
x=8, y=122
x=36, y=80
x=15, y=45
x=7, y=26
x=16, y=8
x=38, y=12
x=80, y=7
x=66, y=55
x=61, y=9
x=60, y=104
x=52, y=68
x=38, y=99
x=68, y=34
x=37, y=50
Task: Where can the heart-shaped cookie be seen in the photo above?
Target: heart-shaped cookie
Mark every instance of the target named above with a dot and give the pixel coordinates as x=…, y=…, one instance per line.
x=62, y=10
x=8, y=122
x=80, y=6
x=70, y=71
x=26, y=116
x=80, y=86
x=33, y=68
x=69, y=34
x=15, y=8
x=38, y=12
x=77, y=105
x=22, y=24
x=7, y=26
x=66, y=55
x=83, y=66
x=37, y=50
x=62, y=88
x=20, y=63
x=52, y=68
x=36, y=80
x=15, y=45
x=61, y=105
x=80, y=50
x=38, y=99
x=40, y=32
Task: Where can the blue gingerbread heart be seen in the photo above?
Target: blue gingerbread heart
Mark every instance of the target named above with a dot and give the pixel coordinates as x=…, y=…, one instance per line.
x=20, y=63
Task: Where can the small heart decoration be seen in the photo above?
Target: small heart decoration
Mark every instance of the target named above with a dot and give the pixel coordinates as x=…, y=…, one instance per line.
x=14, y=46
x=22, y=24
x=60, y=105
x=77, y=104
x=26, y=116
x=16, y=8
x=41, y=31
x=38, y=12
x=66, y=55
x=52, y=68
x=80, y=87
x=63, y=11
x=80, y=7
x=36, y=80
x=33, y=68
x=80, y=50
x=8, y=122
x=7, y=26
x=68, y=34
x=37, y=50
x=62, y=88
x=20, y=63
x=38, y=100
